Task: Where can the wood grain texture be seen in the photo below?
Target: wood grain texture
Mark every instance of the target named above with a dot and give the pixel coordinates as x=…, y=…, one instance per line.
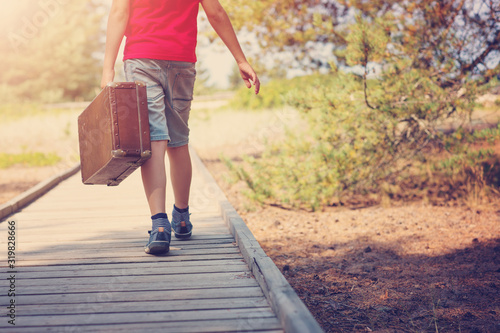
x=81, y=266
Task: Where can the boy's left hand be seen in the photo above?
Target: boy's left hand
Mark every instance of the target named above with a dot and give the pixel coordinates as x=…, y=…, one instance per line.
x=249, y=76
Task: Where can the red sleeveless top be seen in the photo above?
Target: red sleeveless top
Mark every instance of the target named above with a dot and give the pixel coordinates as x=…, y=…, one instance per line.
x=162, y=29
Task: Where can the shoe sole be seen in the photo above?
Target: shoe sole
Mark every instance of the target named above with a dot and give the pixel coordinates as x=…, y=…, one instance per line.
x=182, y=236
x=158, y=247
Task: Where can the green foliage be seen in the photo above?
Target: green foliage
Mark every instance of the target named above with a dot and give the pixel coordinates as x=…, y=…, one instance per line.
x=287, y=25
x=375, y=134
x=48, y=51
x=274, y=94
x=459, y=36
x=367, y=42
x=339, y=153
x=29, y=159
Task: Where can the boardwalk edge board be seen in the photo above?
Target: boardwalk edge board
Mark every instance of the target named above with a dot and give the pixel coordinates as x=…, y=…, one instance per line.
x=25, y=198
x=286, y=304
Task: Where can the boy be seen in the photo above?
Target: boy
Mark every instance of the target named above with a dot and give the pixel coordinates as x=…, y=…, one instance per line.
x=160, y=51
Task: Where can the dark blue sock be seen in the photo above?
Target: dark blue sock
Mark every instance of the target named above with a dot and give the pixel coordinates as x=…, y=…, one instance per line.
x=181, y=210
x=159, y=216
x=159, y=220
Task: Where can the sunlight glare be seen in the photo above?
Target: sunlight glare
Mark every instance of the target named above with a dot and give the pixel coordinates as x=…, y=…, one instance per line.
x=11, y=13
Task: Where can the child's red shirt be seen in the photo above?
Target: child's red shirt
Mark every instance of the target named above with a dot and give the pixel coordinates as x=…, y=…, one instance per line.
x=162, y=29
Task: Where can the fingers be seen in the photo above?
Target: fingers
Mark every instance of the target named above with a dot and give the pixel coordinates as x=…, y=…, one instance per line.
x=250, y=77
x=256, y=83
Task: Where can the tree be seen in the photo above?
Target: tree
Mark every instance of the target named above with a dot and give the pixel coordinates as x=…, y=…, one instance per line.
x=51, y=53
x=469, y=29
x=373, y=130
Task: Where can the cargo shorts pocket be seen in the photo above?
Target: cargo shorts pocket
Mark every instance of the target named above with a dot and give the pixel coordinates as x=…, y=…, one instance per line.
x=182, y=91
x=150, y=76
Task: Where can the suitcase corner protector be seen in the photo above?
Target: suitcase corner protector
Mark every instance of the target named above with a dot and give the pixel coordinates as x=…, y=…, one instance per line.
x=114, y=182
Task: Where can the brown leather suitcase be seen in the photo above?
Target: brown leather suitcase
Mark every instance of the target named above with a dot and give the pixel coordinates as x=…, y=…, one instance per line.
x=114, y=134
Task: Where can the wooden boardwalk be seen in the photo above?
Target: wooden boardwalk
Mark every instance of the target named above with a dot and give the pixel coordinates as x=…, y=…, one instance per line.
x=80, y=267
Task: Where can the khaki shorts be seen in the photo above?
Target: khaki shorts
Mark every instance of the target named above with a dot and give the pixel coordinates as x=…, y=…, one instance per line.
x=170, y=92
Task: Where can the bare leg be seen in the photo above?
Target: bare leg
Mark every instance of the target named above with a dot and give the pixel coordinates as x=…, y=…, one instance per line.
x=180, y=174
x=154, y=178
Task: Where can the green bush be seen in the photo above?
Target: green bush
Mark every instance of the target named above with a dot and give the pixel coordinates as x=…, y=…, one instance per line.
x=274, y=94
x=340, y=152
x=349, y=150
x=373, y=136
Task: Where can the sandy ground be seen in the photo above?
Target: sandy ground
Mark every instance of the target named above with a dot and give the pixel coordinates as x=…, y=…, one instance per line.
x=408, y=268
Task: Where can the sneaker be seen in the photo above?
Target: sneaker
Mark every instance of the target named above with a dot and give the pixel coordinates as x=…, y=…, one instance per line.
x=181, y=225
x=159, y=241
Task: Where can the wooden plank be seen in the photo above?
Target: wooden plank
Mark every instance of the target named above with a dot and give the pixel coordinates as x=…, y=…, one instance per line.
x=86, y=270
x=75, y=234
x=64, y=251
x=146, y=265
x=93, y=261
x=127, y=240
x=114, y=249
x=144, y=295
x=262, y=325
x=143, y=306
x=104, y=226
x=145, y=317
x=97, y=216
x=106, y=236
x=125, y=243
x=124, y=204
x=180, y=279
x=164, y=270
x=202, y=281
x=87, y=254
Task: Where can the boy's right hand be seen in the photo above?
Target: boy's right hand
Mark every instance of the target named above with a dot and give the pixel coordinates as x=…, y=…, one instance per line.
x=249, y=76
x=107, y=77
